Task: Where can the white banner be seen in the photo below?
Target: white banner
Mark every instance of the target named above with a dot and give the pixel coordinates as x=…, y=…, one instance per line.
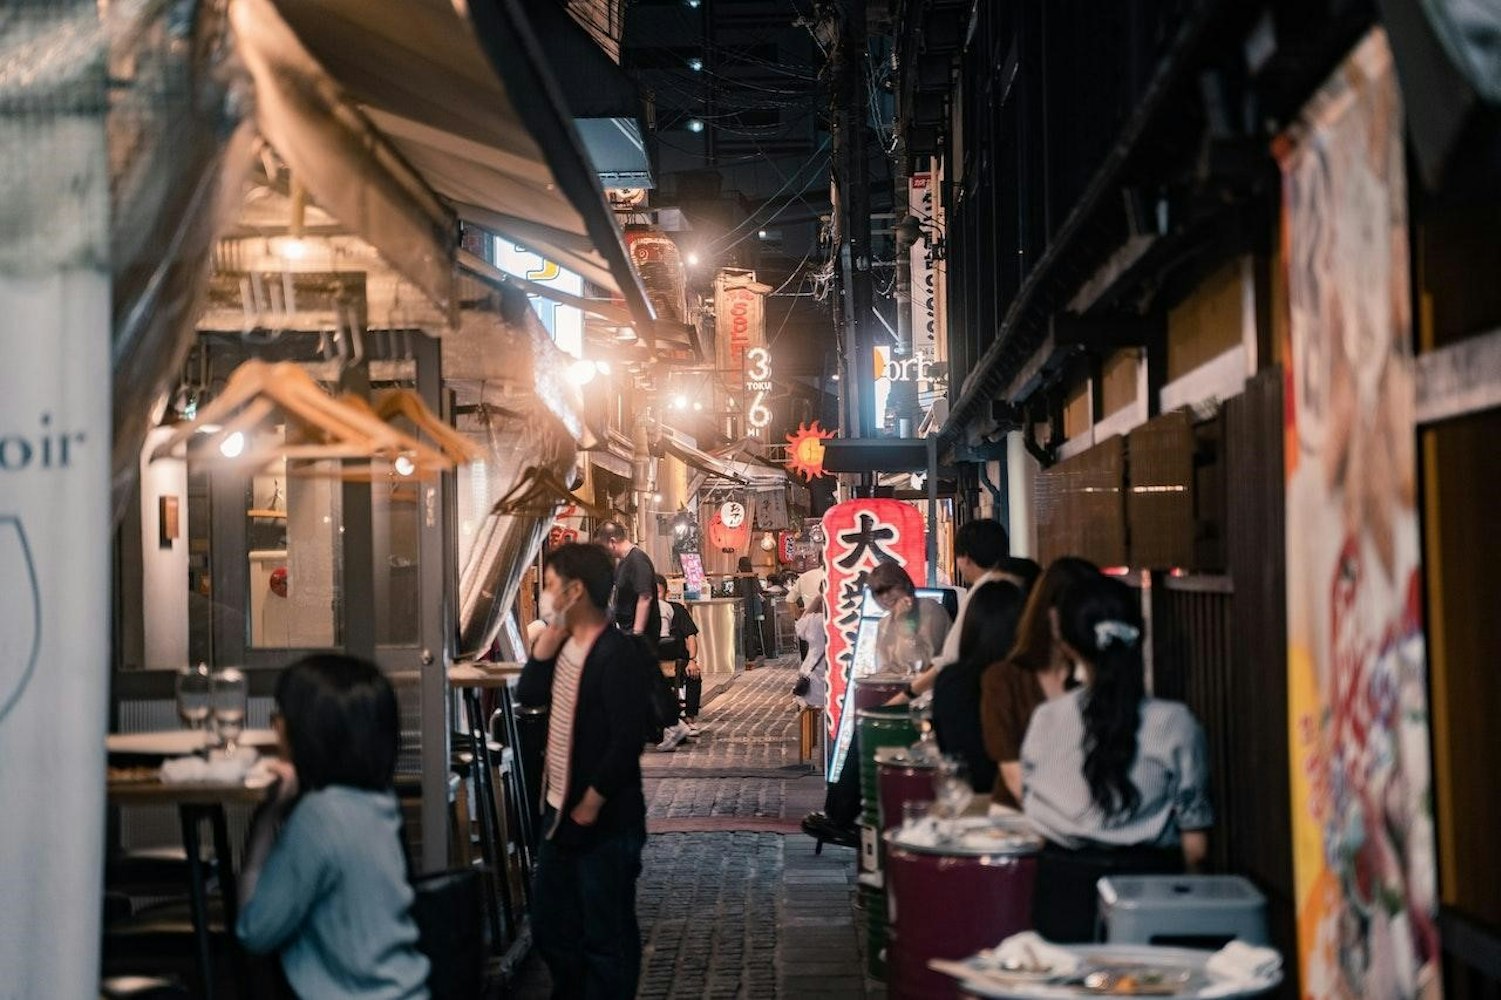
x=54, y=534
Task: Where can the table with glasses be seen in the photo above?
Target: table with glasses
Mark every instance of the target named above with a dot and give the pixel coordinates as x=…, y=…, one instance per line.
x=197, y=803
x=212, y=704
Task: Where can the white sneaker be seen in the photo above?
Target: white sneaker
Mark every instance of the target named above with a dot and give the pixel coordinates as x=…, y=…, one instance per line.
x=693, y=730
x=672, y=737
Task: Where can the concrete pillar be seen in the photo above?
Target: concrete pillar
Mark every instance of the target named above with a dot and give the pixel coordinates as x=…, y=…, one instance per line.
x=1021, y=472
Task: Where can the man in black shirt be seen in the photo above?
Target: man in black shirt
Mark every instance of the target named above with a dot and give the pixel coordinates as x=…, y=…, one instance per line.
x=634, y=603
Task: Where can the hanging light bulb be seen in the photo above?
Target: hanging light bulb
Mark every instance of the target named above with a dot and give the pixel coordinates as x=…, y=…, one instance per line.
x=768, y=542
x=404, y=466
x=233, y=446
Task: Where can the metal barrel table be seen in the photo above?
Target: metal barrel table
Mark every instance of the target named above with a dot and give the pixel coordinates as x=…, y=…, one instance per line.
x=950, y=898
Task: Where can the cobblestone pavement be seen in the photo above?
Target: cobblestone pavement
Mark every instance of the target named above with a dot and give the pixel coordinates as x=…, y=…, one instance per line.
x=733, y=902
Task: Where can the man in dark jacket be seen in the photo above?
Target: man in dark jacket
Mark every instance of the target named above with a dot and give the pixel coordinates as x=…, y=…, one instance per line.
x=594, y=679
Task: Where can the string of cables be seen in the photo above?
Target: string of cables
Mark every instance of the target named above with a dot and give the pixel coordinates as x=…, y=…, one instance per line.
x=818, y=160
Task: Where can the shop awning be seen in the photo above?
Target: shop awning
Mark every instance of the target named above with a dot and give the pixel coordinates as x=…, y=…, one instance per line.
x=751, y=474
x=381, y=105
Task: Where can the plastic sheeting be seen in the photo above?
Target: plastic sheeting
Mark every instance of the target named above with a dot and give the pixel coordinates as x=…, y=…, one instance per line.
x=522, y=425
x=179, y=148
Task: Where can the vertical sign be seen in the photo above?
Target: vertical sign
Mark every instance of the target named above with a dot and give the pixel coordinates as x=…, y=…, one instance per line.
x=858, y=534
x=54, y=502
x=921, y=203
x=564, y=323
x=1362, y=789
x=739, y=328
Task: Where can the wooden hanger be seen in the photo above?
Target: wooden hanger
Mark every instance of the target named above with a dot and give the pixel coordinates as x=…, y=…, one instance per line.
x=327, y=428
x=406, y=403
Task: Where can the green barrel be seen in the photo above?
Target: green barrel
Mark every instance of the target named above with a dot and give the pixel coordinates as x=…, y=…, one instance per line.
x=884, y=726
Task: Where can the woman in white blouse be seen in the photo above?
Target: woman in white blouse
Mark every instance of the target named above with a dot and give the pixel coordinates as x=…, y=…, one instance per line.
x=1117, y=781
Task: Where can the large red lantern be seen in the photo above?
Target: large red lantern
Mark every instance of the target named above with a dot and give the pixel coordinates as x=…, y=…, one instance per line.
x=729, y=527
x=858, y=534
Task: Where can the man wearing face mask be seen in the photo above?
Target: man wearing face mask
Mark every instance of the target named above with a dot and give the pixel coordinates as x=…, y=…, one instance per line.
x=591, y=677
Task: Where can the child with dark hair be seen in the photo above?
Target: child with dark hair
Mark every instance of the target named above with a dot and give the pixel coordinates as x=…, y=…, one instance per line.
x=1117, y=781
x=325, y=880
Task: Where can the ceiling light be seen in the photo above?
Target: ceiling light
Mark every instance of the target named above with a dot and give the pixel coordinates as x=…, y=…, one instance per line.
x=697, y=405
x=680, y=402
x=695, y=125
x=404, y=466
x=233, y=446
x=582, y=372
x=834, y=377
x=693, y=260
x=762, y=234
x=603, y=366
x=696, y=64
x=292, y=248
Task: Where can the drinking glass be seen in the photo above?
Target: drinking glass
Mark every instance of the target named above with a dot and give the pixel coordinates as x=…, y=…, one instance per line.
x=952, y=790
x=926, y=747
x=193, y=686
x=229, y=696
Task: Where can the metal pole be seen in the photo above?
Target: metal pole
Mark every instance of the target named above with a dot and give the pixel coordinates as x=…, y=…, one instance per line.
x=932, y=441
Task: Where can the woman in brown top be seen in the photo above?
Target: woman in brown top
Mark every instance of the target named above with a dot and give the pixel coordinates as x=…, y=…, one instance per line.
x=1037, y=669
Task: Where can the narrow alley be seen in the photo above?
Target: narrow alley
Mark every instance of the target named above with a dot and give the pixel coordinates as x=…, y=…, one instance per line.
x=733, y=902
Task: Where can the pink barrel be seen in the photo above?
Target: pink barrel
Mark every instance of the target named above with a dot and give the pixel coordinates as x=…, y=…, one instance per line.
x=950, y=903
x=877, y=690
x=899, y=779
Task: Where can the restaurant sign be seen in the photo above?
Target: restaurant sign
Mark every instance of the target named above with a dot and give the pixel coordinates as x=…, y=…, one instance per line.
x=55, y=432
x=859, y=535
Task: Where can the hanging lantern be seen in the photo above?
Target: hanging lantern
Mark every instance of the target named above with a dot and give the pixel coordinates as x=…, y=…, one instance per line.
x=729, y=527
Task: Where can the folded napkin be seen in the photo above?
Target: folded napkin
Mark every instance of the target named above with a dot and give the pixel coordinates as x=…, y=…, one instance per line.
x=219, y=769
x=1029, y=950
x=1244, y=962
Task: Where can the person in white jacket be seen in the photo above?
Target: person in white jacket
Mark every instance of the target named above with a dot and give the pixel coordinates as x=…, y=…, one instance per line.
x=815, y=665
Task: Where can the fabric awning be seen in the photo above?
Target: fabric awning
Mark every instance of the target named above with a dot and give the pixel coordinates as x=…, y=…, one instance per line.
x=414, y=86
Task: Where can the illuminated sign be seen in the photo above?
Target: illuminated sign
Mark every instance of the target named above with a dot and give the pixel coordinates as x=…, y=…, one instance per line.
x=805, y=450
x=565, y=324
x=758, y=388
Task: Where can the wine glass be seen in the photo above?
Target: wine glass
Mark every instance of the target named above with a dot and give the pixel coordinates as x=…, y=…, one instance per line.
x=193, y=686
x=952, y=790
x=926, y=747
x=229, y=694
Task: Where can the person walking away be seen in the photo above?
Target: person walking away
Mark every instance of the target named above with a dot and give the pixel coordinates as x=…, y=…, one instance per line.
x=815, y=665
x=325, y=877
x=679, y=643
x=634, y=602
x=593, y=678
x=1035, y=670
x=1116, y=781
x=753, y=612
x=989, y=631
x=807, y=588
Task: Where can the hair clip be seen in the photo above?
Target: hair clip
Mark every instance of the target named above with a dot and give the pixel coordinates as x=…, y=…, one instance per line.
x=1107, y=631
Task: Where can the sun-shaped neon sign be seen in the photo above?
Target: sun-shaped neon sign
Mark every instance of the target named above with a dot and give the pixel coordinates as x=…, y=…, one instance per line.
x=805, y=456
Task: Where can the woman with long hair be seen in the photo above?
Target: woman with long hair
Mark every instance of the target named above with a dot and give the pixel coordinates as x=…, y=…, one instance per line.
x=1116, y=780
x=325, y=880
x=1034, y=670
x=987, y=633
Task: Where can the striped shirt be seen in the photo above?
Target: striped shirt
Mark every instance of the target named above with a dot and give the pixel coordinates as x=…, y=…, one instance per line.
x=565, y=696
x=1171, y=771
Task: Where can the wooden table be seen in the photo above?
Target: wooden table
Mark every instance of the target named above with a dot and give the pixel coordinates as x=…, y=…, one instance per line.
x=196, y=802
